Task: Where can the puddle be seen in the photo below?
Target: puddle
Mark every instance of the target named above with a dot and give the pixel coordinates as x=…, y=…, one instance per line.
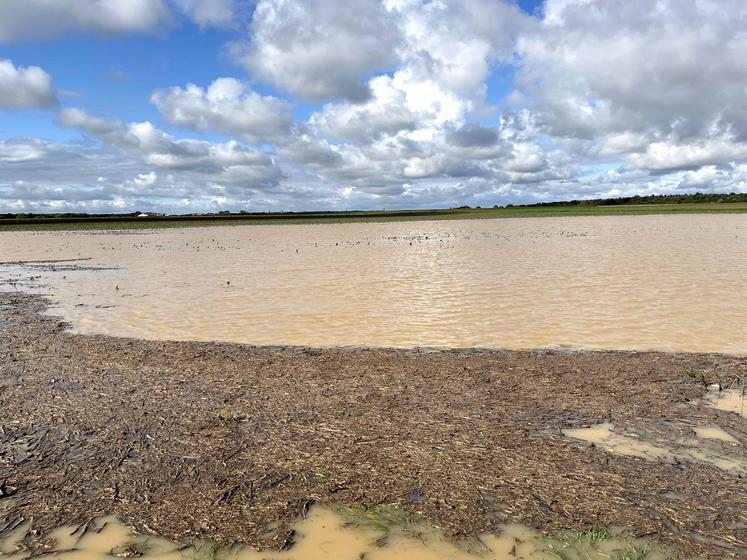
x=589, y=282
x=712, y=446
x=714, y=432
x=728, y=400
x=342, y=534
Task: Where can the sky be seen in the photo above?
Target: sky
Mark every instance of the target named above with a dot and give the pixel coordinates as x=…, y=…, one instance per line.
x=278, y=105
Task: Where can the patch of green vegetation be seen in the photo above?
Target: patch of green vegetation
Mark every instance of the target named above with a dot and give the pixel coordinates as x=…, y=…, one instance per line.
x=570, y=543
x=322, y=475
x=586, y=545
x=228, y=415
x=695, y=375
x=598, y=543
x=386, y=518
x=381, y=516
x=591, y=537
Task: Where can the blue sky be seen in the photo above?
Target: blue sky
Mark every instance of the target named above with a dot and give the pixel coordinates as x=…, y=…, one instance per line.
x=391, y=103
x=115, y=75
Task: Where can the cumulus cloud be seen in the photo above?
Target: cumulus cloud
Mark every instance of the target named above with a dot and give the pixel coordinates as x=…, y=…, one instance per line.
x=227, y=163
x=456, y=44
x=415, y=125
x=668, y=155
x=41, y=19
x=407, y=108
x=472, y=135
x=226, y=106
x=673, y=68
x=318, y=49
x=25, y=87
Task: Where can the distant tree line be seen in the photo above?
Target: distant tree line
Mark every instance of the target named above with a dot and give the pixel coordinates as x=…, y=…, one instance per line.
x=649, y=199
x=64, y=215
x=628, y=200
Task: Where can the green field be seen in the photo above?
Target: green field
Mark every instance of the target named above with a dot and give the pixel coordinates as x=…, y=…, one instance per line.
x=43, y=223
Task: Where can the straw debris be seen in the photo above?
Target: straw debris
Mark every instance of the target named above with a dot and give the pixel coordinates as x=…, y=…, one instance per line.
x=469, y=440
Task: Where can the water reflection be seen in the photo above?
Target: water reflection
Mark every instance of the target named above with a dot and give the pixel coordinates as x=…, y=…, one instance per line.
x=650, y=282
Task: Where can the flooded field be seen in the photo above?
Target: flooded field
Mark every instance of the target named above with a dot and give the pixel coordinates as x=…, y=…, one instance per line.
x=644, y=282
x=341, y=533
x=234, y=443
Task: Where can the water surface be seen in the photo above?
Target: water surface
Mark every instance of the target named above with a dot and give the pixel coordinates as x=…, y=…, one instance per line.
x=645, y=282
x=329, y=534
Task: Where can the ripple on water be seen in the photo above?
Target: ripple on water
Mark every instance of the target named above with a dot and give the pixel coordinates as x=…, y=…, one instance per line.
x=590, y=282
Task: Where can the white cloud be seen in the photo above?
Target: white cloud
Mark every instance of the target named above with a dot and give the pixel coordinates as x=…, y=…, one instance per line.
x=668, y=155
x=415, y=123
x=609, y=99
x=209, y=13
x=318, y=49
x=673, y=67
x=387, y=112
x=227, y=106
x=40, y=19
x=227, y=163
x=25, y=87
x=455, y=44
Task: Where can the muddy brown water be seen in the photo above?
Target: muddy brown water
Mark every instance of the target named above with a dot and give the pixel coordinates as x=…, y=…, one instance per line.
x=644, y=282
x=327, y=533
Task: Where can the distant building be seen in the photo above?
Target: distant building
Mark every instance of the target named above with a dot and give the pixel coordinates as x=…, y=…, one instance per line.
x=143, y=215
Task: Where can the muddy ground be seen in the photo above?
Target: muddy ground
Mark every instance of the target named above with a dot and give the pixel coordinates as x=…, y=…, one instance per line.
x=216, y=440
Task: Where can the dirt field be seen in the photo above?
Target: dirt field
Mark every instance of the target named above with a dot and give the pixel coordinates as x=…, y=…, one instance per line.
x=189, y=439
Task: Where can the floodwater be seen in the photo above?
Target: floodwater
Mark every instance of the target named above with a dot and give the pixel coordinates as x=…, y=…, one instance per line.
x=729, y=400
x=333, y=535
x=644, y=282
x=711, y=445
x=714, y=432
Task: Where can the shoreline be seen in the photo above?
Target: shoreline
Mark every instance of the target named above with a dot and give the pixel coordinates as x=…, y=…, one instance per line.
x=168, y=436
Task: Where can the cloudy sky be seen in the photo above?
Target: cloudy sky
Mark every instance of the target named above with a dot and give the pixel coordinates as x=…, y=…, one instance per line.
x=198, y=105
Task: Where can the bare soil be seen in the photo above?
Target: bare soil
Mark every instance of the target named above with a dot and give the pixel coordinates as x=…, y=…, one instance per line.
x=228, y=441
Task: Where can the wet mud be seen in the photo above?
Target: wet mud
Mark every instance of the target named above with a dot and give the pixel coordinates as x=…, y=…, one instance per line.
x=236, y=443
x=335, y=533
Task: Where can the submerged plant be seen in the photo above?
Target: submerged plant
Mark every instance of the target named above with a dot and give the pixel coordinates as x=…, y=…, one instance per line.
x=381, y=516
x=578, y=544
x=205, y=550
x=129, y=550
x=552, y=549
x=634, y=552
x=210, y=550
x=591, y=536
